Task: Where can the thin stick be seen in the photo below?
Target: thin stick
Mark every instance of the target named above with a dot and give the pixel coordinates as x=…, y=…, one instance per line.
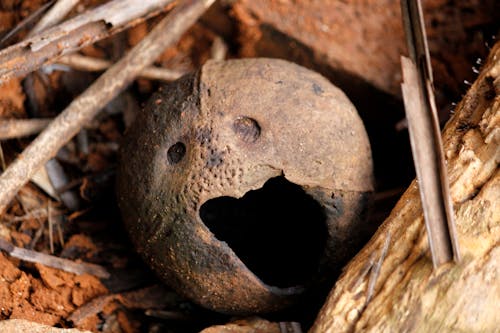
x=54, y=15
x=27, y=21
x=52, y=261
x=219, y=49
x=168, y=315
x=58, y=179
x=427, y=166
x=102, y=91
x=39, y=213
x=51, y=228
x=73, y=34
x=93, y=307
x=18, y=128
x=60, y=234
x=425, y=139
x=91, y=64
x=3, y=165
x=153, y=297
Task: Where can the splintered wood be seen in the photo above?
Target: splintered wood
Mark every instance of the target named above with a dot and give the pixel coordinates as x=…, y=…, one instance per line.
x=409, y=296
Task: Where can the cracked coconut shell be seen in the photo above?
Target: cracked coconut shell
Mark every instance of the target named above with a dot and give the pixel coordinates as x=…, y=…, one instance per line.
x=222, y=132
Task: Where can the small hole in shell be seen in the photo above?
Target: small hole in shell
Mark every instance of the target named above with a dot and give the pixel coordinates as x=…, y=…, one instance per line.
x=176, y=152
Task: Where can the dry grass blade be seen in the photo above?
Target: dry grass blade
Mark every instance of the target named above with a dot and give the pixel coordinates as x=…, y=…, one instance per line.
x=75, y=33
x=52, y=261
x=101, y=92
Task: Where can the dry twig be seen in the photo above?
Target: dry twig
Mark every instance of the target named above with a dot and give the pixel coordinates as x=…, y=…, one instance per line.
x=91, y=64
x=425, y=139
x=104, y=89
x=153, y=297
x=58, y=179
x=54, y=15
x=18, y=128
x=51, y=229
x=72, y=35
x=52, y=261
x=26, y=22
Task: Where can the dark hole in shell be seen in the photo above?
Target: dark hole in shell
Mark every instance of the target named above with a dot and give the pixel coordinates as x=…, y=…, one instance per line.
x=278, y=231
x=176, y=152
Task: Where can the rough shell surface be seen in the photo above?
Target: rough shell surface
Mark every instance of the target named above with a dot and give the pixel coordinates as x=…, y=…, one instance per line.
x=224, y=131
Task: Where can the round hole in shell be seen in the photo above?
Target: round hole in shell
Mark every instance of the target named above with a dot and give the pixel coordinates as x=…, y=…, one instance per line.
x=278, y=231
x=176, y=152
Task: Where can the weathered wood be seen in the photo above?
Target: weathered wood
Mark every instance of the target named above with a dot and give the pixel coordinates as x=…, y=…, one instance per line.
x=69, y=122
x=21, y=325
x=83, y=63
x=17, y=128
x=82, y=30
x=403, y=293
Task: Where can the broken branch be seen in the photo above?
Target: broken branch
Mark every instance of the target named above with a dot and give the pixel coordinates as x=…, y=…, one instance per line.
x=75, y=33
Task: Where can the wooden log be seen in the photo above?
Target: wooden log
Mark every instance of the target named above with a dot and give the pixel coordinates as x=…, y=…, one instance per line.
x=390, y=286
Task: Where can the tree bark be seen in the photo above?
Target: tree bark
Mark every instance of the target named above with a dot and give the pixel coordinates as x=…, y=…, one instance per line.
x=390, y=286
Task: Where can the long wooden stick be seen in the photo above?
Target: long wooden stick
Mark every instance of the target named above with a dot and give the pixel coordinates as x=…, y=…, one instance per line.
x=104, y=89
x=425, y=139
x=72, y=35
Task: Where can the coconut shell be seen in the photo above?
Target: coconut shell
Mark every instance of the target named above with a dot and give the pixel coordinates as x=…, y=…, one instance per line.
x=222, y=132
